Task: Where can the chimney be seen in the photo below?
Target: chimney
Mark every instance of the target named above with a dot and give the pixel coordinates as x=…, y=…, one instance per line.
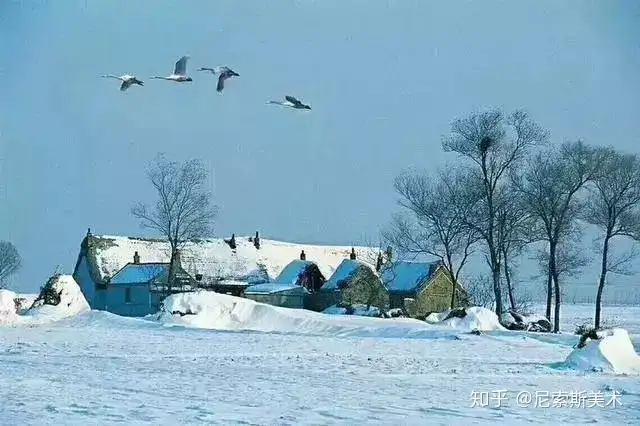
x=136, y=258
x=303, y=255
x=232, y=241
x=352, y=256
x=256, y=241
x=88, y=232
x=379, y=262
x=389, y=253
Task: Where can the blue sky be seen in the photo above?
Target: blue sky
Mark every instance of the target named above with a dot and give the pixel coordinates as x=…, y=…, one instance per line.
x=384, y=79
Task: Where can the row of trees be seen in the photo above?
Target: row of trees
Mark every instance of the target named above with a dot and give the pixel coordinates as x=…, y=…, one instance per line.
x=514, y=190
x=10, y=261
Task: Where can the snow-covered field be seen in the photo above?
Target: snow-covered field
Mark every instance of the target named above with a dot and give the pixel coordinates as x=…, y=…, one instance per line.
x=239, y=362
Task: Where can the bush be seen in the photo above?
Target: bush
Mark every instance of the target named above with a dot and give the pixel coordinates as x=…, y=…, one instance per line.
x=586, y=333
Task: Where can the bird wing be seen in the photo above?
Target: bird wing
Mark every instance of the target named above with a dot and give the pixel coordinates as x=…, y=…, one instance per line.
x=221, y=78
x=292, y=100
x=125, y=85
x=181, y=66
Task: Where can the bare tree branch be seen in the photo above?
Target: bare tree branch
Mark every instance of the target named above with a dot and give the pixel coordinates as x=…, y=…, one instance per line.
x=10, y=260
x=183, y=210
x=495, y=144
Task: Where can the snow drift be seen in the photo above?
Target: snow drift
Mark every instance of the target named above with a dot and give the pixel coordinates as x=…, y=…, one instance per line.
x=467, y=319
x=8, y=309
x=612, y=353
x=223, y=312
x=66, y=295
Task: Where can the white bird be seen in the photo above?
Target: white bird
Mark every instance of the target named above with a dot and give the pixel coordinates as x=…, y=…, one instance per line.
x=127, y=80
x=179, y=73
x=223, y=72
x=291, y=102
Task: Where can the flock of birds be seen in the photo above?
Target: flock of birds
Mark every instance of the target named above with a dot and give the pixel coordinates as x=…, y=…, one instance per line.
x=180, y=75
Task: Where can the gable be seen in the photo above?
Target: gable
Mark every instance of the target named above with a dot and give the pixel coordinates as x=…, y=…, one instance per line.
x=291, y=273
x=344, y=272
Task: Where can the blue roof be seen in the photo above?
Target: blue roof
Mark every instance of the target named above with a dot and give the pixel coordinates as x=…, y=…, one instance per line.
x=405, y=277
x=139, y=273
x=269, y=288
x=342, y=272
x=292, y=271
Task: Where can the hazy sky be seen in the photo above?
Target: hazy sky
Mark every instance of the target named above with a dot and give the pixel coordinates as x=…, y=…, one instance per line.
x=384, y=79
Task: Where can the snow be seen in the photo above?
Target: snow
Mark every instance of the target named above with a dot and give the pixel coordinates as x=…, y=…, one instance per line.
x=358, y=309
x=613, y=353
x=346, y=268
x=98, y=368
x=269, y=288
x=406, y=276
x=477, y=318
x=72, y=302
x=213, y=257
x=224, y=312
x=8, y=314
x=291, y=273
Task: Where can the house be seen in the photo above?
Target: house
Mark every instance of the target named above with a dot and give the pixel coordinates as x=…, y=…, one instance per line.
x=302, y=272
x=420, y=288
x=137, y=289
x=277, y=294
x=212, y=262
x=354, y=282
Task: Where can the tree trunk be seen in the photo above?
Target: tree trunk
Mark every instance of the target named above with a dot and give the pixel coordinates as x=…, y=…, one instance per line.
x=553, y=270
x=550, y=283
x=172, y=271
x=497, y=290
x=603, y=277
x=453, y=283
x=507, y=277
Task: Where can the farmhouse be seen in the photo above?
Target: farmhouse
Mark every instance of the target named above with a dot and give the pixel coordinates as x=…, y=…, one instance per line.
x=354, y=282
x=420, y=287
x=204, y=263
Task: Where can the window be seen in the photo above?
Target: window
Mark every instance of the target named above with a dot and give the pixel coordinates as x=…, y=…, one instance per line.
x=127, y=295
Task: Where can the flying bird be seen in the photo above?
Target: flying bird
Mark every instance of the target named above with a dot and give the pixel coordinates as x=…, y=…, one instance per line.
x=127, y=80
x=179, y=73
x=291, y=102
x=223, y=72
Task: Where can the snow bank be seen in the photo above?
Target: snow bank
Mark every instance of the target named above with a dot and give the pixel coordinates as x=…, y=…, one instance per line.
x=8, y=314
x=72, y=301
x=612, y=353
x=62, y=288
x=357, y=309
x=477, y=318
x=211, y=310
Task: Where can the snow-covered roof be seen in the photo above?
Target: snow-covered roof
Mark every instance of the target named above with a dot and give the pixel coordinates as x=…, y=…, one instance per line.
x=291, y=272
x=343, y=272
x=138, y=273
x=406, y=276
x=270, y=288
x=213, y=257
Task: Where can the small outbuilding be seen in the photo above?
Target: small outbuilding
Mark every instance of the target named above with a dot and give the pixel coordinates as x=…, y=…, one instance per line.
x=277, y=294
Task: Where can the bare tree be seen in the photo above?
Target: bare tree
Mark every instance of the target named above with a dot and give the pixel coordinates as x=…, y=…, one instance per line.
x=614, y=206
x=515, y=230
x=480, y=290
x=495, y=144
x=10, y=260
x=550, y=186
x=437, y=221
x=183, y=210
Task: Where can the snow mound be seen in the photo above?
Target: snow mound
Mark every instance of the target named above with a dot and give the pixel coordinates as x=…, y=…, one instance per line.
x=71, y=301
x=212, y=310
x=436, y=317
x=8, y=314
x=476, y=318
x=357, y=309
x=612, y=353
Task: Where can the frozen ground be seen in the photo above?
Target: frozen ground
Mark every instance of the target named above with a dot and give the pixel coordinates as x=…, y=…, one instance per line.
x=97, y=368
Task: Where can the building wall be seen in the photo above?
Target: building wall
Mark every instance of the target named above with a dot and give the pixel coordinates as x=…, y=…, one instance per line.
x=434, y=297
x=365, y=288
x=141, y=303
x=285, y=299
x=85, y=282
